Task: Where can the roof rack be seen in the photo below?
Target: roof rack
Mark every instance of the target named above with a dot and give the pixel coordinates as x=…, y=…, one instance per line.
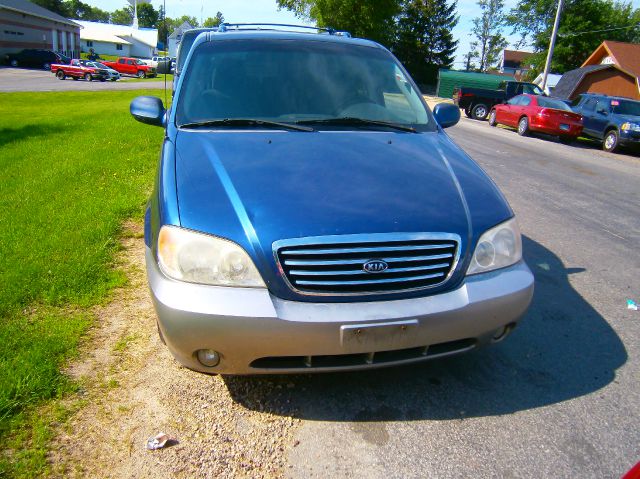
x=223, y=27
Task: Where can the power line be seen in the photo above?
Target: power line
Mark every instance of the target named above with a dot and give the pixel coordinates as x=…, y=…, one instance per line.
x=598, y=31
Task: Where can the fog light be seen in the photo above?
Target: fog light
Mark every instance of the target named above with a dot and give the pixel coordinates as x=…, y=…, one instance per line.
x=208, y=357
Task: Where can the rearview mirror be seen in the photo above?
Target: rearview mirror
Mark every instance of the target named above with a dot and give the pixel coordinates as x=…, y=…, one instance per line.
x=446, y=114
x=149, y=110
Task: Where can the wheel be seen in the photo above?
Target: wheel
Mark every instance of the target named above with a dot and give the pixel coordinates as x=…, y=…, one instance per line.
x=46, y=66
x=567, y=140
x=523, y=126
x=141, y=74
x=480, y=111
x=492, y=118
x=610, y=142
x=88, y=77
x=14, y=63
x=60, y=74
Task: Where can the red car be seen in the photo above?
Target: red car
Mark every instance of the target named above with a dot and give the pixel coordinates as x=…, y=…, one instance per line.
x=530, y=113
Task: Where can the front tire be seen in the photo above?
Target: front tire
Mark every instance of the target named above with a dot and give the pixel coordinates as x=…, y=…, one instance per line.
x=60, y=74
x=480, y=111
x=88, y=77
x=611, y=141
x=523, y=126
x=141, y=74
x=492, y=118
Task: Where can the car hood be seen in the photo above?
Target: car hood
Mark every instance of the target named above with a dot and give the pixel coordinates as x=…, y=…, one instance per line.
x=256, y=187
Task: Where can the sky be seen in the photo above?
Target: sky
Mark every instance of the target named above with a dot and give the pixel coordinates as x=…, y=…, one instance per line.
x=249, y=11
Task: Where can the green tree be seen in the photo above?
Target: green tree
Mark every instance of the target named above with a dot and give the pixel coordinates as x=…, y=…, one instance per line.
x=424, y=42
x=56, y=6
x=83, y=11
x=124, y=16
x=147, y=16
x=487, y=29
x=584, y=24
x=373, y=19
x=214, y=21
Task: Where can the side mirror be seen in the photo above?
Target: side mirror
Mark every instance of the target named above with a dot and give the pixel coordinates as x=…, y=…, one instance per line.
x=149, y=110
x=446, y=114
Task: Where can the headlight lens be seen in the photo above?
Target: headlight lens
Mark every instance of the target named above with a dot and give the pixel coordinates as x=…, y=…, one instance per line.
x=499, y=247
x=630, y=127
x=199, y=258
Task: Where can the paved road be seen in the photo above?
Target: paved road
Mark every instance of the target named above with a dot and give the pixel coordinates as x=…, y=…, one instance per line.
x=22, y=79
x=559, y=398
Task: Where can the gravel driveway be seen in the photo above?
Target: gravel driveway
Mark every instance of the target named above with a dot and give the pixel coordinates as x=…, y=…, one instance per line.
x=22, y=79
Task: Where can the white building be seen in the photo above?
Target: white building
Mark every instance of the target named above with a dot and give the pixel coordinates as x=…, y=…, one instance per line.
x=176, y=36
x=552, y=81
x=120, y=40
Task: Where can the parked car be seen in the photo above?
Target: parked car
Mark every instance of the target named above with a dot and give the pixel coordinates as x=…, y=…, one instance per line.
x=36, y=58
x=131, y=66
x=477, y=102
x=537, y=113
x=79, y=69
x=311, y=214
x=112, y=74
x=613, y=120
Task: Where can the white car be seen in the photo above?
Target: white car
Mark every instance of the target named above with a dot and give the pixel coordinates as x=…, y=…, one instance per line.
x=113, y=75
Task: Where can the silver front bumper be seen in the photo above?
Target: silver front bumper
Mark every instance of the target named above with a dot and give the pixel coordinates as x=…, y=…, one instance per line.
x=252, y=326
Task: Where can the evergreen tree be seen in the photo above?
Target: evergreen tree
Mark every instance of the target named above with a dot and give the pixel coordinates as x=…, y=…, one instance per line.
x=424, y=42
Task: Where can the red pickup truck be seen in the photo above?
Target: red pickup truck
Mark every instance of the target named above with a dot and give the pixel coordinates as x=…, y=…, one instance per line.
x=132, y=66
x=79, y=69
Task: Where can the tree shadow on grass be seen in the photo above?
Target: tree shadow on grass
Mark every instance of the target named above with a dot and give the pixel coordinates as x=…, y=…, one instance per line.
x=11, y=135
x=561, y=350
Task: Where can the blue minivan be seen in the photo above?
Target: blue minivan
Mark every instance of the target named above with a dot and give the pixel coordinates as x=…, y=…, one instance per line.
x=311, y=214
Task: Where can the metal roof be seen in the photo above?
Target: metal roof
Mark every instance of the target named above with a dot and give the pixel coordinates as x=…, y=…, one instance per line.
x=28, y=8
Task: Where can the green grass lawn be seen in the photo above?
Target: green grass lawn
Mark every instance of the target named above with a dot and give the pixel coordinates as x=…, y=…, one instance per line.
x=73, y=166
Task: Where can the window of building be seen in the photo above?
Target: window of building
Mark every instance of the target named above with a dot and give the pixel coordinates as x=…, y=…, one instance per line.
x=118, y=47
x=89, y=43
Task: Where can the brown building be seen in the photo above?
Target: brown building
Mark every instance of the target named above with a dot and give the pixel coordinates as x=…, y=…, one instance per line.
x=612, y=69
x=26, y=25
x=514, y=62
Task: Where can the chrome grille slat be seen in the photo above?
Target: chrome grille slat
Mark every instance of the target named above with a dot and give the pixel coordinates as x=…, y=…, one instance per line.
x=359, y=271
x=374, y=249
x=312, y=262
x=335, y=265
x=370, y=281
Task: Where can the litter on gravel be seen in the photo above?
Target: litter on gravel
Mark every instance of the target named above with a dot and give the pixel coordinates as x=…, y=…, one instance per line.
x=158, y=441
x=631, y=304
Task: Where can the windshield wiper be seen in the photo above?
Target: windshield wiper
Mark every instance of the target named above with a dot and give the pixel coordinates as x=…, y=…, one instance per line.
x=246, y=122
x=348, y=120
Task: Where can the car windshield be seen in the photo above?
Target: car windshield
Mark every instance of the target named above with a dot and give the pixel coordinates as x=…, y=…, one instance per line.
x=551, y=103
x=298, y=81
x=625, y=107
x=140, y=62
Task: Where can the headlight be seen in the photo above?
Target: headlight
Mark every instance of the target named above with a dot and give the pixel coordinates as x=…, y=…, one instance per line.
x=199, y=258
x=499, y=247
x=630, y=127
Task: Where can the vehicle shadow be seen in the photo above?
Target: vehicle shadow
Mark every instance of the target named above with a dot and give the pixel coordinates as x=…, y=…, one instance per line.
x=10, y=135
x=562, y=349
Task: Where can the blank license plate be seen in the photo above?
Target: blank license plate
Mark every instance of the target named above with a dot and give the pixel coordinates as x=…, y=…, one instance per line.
x=372, y=336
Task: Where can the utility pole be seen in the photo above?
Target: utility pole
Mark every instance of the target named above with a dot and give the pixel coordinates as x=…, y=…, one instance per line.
x=552, y=45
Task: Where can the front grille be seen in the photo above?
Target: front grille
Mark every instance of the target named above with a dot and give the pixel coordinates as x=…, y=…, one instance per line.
x=336, y=264
x=365, y=359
